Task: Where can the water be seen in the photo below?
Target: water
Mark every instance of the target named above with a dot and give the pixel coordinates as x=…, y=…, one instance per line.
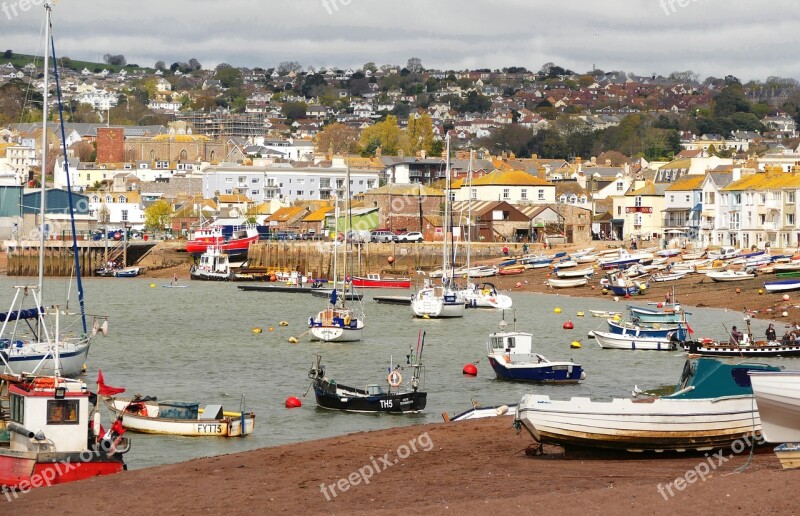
x=197, y=344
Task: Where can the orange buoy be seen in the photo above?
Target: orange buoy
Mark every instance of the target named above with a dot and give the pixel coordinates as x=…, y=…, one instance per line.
x=390, y=259
x=786, y=297
x=519, y=284
x=293, y=402
x=568, y=325
x=470, y=370
x=738, y=291
x=660, y=305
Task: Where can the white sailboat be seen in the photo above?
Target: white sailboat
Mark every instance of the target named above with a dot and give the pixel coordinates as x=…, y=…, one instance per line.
x=441, y=301
x=338, y=322
x=31, y=347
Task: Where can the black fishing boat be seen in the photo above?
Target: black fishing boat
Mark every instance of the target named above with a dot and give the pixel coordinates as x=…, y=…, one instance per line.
x=399, y=398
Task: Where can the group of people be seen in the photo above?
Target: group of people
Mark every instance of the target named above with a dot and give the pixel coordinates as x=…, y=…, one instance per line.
x=789, y=337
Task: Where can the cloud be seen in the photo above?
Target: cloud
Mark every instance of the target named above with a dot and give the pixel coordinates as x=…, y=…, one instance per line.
x=711, y=37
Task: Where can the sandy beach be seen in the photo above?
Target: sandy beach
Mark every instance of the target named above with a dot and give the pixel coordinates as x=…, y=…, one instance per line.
x=471, y=467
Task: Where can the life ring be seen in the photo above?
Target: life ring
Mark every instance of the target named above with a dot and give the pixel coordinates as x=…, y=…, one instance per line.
x=347, y=320
x=395, y=378
x=44, y=383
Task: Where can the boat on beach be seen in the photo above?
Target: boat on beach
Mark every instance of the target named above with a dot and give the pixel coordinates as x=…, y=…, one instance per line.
x=782, y=285
x=723, y=276
x=478, y=412
x=711, y=408
x=574, y=273
x=777, y=395
x=567, y=282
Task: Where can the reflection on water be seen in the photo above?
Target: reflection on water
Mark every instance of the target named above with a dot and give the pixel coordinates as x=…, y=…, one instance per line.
x=197, y=344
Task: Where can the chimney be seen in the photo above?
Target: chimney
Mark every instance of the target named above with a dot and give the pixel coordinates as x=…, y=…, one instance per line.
x=594, y=160
x=423, y=153
x=541, y=173
x=608, y=162
x=579, y=164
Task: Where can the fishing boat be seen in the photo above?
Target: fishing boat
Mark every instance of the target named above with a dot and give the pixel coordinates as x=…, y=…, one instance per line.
x=396, y=398
x=715, y=348
x=567, y=283
x=665, y=330
x=782, y=285
x=512, y=357
x=671, y=314
x=633, y=342
x=147, y=415
x=236, y=244
x=574, y=273
x=711, y=408
x=485, y=295
x=722, y=276
x=777, y=395
x=30, y=334
x=214, y=265
x=378, y=281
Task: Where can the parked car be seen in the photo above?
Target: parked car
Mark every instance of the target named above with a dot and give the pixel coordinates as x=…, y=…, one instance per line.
x=381, y=236
x=411, y=236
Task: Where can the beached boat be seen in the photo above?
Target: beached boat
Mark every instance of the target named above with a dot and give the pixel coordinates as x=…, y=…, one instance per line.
x=667, y=253
x=53, y=422
x=777, y=397
x=633, y=342
x=214, y=265
x=567, y=283
x=478, y=412
x=564, y=263
x=723, y=276
x=575, y=273
x=511, y=270
x=782, y=285
x=378, y=281
x=482, y=271
x=512, y=357
x=786, y=267
x=624, y=259
x=148, y=415
x=667, y=276
x=711, y=408
x=789, y=455
x=397, y=398
x=693, y=256
x=724, y=253
x=620, y=285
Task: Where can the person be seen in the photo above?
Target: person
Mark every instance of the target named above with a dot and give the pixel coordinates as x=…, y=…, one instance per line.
x=175, y=279
x=525, y=248
x=736, y=336
x=771, y=335
x=505, y=250
x=787, y=339
x=667, y=298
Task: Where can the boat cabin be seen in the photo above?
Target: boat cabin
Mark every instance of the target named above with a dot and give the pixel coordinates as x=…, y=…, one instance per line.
x=512, y=346
x=214, y=260
x=712, y=378
x=48, y=414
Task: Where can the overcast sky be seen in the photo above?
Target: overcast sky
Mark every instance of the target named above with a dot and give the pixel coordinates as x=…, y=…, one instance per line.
x=751, y=40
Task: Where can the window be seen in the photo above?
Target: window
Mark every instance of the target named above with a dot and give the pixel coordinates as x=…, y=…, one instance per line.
x=254, y=180
x=300, y=181
x=671, y=198
x=300, y=192
x=541, y=195
x=506, y=193
x=737, y=198
x=790, y=197
x=62, y=412
x=687, y=198
x=790, y=219
x=361, y=182
x=254, y=192
x=638, y=202
x=17, y=405
x=619, y=210
x=229, y=191
x=124, y=215
x=619, y=186
x=229, y=180
x=523, y=194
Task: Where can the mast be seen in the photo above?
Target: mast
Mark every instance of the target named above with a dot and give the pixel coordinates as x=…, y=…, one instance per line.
x=469, y=211
x=45, y=94
x=445, y=218
x=348, y=225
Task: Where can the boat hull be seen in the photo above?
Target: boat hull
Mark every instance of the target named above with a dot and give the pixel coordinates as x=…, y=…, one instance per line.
x=616, y=341
x=335, y=334
x=536, y=373
x=778, y=400
x=567, y=283
x=225, y=427
x=729, y=350
x=400, y=403
x=19, y=470
x=234, y=247
x=71, y=361
x=381, y=283
x=786, y=285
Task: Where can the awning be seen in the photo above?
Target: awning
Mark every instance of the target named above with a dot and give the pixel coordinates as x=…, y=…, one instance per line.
x=697, y=207
x=676, y=210
x=617, y=221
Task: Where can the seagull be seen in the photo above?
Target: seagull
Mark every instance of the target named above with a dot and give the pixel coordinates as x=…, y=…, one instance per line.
x=636, y=391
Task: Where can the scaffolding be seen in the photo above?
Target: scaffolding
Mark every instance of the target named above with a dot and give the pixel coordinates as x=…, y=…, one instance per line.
x=220, y=124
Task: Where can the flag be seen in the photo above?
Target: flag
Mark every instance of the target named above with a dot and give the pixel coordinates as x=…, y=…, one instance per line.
x=106, y=390
x=117, y=427
x=689, y=328
x=333, y=295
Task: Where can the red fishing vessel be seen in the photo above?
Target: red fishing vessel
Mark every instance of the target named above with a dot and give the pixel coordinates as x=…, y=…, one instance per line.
x=376, y=281
x=237, y=244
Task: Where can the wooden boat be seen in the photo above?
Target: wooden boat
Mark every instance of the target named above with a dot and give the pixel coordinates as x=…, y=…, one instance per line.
x=575, y=273
x=147, y=415
x=567, y=283
x=711, y=408
x=377, y=281
x=788, y=455
x=55, y=423
x=512, y=357
x=627, y=341
x=782, y=285
x=778, y=400
x=398, y=398
x=731, y=276
x=511, y=271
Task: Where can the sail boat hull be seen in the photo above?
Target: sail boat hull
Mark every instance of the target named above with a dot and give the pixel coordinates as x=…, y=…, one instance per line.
x=71, y=361
x=335, y=334
x=428, y=304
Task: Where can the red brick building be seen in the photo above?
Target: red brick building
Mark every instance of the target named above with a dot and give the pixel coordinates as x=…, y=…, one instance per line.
x=110, y=145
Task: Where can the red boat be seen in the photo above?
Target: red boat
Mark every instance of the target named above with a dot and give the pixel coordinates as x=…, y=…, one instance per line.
x=508, y=271
x=375, y=281
x=50, y=438
x=238, y=243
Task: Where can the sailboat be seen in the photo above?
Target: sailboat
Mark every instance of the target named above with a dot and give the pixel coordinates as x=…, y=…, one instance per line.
x=338, y=322
x=28, y=342
x=434, y=301
x=48, y=432
x=477, y=295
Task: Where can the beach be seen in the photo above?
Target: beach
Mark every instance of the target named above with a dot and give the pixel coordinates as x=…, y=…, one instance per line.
x=466, y=467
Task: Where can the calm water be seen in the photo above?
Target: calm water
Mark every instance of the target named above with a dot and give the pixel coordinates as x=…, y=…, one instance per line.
x=197, y=344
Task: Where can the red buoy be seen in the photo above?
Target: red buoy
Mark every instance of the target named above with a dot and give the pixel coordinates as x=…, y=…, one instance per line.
x=292, y=402
x=390, y=259
x=470, y=370
x=627, y=295
x=568, y=325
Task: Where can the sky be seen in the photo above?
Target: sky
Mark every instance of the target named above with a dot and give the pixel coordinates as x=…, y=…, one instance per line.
x=750, y=40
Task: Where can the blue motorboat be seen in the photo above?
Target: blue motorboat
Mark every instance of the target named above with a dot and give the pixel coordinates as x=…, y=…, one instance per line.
x=667, y=315
x=512, y=358
x=656, y=330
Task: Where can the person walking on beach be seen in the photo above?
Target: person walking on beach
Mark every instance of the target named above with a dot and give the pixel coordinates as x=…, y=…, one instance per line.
x=771, y=335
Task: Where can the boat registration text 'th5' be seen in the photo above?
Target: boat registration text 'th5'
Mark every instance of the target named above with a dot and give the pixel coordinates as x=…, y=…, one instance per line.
x=209, y=429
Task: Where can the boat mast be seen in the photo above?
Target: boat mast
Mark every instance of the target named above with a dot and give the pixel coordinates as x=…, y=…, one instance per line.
x=348, y=227
x=43, y=173
x=469, y=211
x=445, y=219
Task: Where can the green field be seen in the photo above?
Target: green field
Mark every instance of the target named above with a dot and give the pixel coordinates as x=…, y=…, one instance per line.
x=20, y=60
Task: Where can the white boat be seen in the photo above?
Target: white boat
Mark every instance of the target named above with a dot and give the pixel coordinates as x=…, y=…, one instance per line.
x=784, y=285
x=564, y=264
x=778, y=399
x=693, y=256
x=668, y=252
x=724, y=253
x=477, y=412
x=669, y=276
x=633, y=342
x=567, y=282
x=605, y=314
x=575, y=273
x=188, y=419
x=730, y=275
x=482, y=271
x=214, y=265
x=624, y=259
x=713, y=266
x=587, y=258
x=485, y=295
x=709, y=410
x=786, y=267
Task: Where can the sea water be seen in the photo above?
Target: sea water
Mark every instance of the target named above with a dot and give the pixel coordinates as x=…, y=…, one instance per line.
x=198, y=344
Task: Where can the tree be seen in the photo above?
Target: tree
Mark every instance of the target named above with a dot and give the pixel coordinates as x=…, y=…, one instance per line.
x=418, y=135
x=370, y=66
x=414, y=65
x=160, y=65
x=8, y=54
x=687, y=76
x=114, y=60
x=340, y=138
x=157, y=216
x=385, y=135
x=510, y=138
x=286, y=67
x=295, y=110
x=229, y=76
x=194, y=64
x=104, y=214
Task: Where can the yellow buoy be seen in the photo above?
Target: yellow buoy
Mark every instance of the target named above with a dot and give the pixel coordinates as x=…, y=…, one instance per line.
x=617, y=317
x=557, y=310
x=576, y=344
x=83, y=368
x=256, y=330
x=293, y=340
x=760, y=292
x=283, y=323
x=426, y=316
x=643, y=287
x=271, y=328
x=152, y=285
x=581, y=314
